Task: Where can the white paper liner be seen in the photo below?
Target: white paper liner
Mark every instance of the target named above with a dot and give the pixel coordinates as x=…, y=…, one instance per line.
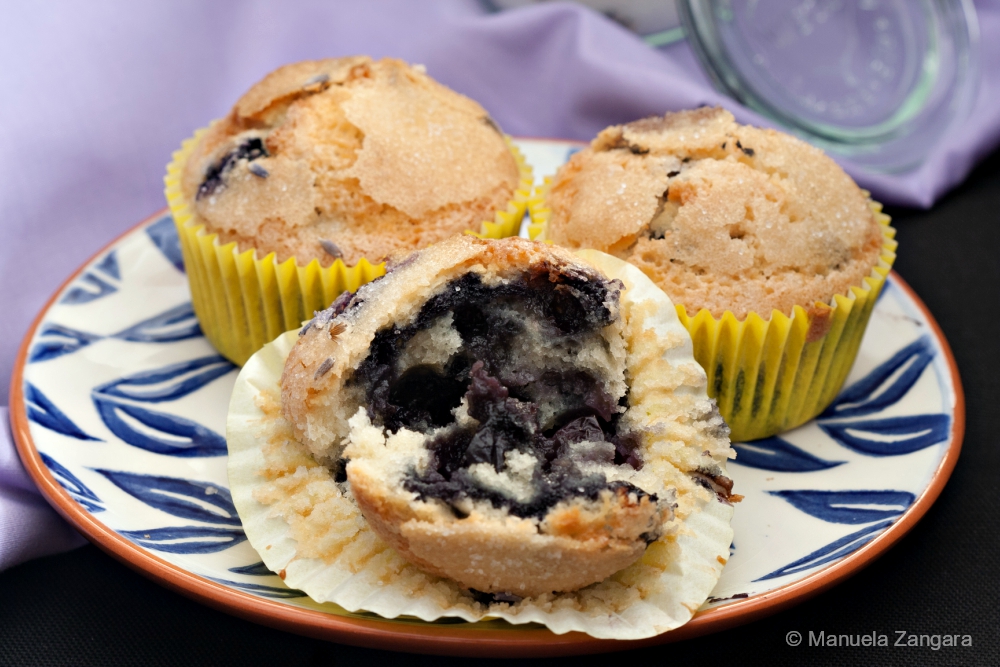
x=658, y=593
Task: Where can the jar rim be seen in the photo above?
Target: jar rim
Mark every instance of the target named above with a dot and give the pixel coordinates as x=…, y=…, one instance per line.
x=879, y=81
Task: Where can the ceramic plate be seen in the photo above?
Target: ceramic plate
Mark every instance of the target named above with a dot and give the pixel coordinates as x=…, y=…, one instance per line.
x=119, y=407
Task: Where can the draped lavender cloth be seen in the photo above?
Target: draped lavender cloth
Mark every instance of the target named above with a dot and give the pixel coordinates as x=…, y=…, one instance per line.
x=97, y=95
x=28, y=526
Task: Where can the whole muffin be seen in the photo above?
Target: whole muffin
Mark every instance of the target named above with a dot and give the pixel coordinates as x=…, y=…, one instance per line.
x=343, y=162
x=733, y=221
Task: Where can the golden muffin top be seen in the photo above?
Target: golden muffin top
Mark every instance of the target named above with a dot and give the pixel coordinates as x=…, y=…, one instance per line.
x=348, y=158
x=720, y=215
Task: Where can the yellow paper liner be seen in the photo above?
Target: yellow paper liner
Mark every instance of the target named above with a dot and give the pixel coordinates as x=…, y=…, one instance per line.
x=765, y=374
x=539, y=212
x=243, y=301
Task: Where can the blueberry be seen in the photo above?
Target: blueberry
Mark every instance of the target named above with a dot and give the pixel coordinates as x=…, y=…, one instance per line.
x=502, y=392
x=249, y=150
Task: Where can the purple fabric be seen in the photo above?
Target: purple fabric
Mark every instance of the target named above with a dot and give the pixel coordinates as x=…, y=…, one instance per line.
x=28, y=526
x=98, y=94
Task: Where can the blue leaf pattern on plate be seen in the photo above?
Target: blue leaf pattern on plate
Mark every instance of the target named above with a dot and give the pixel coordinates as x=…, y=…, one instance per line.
x=875, y=391
x=163, y=234
x=92, y=286
x=257, y=569
x=167, y=383
x=183, y=498
x=177, y=323
x=260, y=589
x=109, y=266
x=44, y=413
x=76, y=489
x=892, y=436
x=885, y=386
x=777, y=454
x=155, y=431
x=87, y=289
x=186, y=539
x=55, y=340
x=852, y=507
x=163, y=433
x=833, y=551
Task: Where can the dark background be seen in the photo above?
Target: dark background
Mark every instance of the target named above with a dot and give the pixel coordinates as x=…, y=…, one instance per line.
x=85, y=608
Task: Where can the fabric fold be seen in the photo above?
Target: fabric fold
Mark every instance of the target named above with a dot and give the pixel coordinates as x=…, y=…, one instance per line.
x=29, y=527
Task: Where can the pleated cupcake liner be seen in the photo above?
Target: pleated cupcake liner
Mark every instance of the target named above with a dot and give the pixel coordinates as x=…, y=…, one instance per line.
x=359, y=573
x=243, y=301
x=766, y=373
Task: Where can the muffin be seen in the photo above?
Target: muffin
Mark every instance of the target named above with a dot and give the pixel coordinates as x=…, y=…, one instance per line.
x=772, y=254
x=521, y=425
x=322, y=171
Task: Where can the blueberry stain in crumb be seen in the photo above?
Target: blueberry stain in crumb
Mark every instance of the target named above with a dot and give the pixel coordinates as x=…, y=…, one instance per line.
x=490, y=598
x=250, y=150
x=749, y=152
x=504, y=394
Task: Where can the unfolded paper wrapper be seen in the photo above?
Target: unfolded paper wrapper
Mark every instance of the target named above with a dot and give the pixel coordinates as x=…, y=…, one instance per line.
x=291, y=507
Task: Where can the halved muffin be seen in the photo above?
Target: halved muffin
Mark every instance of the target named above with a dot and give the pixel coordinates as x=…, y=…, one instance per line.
x=499, y=430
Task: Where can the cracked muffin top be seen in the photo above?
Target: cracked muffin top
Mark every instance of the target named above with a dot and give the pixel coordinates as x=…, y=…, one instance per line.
x=348, y=158
x=721, y=216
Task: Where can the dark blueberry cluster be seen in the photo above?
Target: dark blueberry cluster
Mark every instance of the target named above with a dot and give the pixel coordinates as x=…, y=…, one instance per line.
x=422, y=397
x=503, y=392
x=508, y=424
x=249, y=150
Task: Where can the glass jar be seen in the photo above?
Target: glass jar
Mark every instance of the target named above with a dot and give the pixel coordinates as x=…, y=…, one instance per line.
x=877, y=81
